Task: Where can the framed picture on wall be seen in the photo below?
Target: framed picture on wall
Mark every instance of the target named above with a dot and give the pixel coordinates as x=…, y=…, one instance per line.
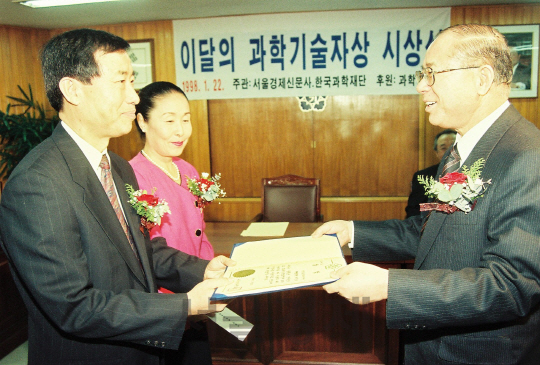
x=523, y=42
x=141, y=53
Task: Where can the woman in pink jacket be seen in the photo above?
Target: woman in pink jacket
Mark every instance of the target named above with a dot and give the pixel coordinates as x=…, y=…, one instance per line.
x=164, y=123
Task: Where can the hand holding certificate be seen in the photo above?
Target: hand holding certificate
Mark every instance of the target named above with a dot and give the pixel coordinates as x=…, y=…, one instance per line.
x=281, y=264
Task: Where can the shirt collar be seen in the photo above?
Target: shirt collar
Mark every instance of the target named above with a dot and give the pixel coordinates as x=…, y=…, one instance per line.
x=90, y=152
x=466, y=143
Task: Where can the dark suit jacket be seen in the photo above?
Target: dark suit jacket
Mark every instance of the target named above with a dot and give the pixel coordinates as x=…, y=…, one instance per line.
x=418, y=192
x=522, y=74
x=89, y=300
x=473, y=296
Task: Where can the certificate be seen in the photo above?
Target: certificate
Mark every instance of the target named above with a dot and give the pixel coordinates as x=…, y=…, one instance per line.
x=281, y=264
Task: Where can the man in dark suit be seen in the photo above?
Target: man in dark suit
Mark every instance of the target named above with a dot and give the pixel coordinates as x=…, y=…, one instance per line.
x=443, y=141
x=521, y=78
x=90, y=285
x=473, y=296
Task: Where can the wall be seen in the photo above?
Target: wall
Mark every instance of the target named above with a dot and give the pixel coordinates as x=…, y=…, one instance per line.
x=363, y=177
x=359, y=146
x=19, y=57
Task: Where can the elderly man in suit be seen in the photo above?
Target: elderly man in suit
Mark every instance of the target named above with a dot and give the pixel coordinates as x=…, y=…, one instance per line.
x=87, y=274
x=473, y=296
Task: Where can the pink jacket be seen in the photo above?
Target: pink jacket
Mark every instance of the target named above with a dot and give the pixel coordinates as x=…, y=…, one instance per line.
x=184, y=226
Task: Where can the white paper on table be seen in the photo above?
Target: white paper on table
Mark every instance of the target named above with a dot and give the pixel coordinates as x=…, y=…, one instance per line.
x=281, y=264
x=266, y=229
x=232, y=323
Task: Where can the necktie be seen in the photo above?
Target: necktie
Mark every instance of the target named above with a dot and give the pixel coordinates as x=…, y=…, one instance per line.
x=107, y=182
x=450, y=165
x=452, y=161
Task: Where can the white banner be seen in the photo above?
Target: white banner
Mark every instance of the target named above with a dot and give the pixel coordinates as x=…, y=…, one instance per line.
x=304, y=54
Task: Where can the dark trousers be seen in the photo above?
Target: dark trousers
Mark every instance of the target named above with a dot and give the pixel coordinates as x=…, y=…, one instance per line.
x=194, y=348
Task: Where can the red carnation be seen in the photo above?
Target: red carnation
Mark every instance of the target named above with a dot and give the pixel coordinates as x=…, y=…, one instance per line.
x=150, y=199
x=454, y=178
x=206, y=182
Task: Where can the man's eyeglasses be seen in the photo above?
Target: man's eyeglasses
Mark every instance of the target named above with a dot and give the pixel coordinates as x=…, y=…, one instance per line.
x=428, y=74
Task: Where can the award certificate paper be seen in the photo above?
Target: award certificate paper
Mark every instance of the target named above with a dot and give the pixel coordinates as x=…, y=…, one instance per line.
x=281, y=264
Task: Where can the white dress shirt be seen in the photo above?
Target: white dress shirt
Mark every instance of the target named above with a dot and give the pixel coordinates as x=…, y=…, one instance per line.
x=92, y=155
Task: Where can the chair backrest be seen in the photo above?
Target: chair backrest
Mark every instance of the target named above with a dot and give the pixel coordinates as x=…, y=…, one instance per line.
x=291, y=198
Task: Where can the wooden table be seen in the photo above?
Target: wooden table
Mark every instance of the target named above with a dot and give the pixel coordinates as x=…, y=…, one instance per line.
x=302, y=326
x=224, y=235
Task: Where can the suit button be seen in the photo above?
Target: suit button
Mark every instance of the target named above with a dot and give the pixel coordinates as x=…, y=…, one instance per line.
x=198, y=233
x=156, y=343
x=148, y=342
x=163, y=344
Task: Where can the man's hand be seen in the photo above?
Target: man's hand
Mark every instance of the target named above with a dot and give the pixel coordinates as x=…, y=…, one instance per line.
x=216, y=267
x=360, y=283
x=199, y=297
x=341, y=228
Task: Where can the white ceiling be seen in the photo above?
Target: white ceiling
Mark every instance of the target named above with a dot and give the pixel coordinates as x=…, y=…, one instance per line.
x=129, y=11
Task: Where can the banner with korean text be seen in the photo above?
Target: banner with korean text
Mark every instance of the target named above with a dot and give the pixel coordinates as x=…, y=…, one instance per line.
x=304, y=54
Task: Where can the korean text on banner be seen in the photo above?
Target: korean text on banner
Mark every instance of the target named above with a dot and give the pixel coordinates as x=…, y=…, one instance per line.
x=305, y=54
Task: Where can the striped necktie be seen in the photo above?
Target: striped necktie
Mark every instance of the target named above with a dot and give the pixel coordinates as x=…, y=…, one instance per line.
x=107, y=182
x=452, y=161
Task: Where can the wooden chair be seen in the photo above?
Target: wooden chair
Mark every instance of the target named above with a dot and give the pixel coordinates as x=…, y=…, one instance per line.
x=290, y=198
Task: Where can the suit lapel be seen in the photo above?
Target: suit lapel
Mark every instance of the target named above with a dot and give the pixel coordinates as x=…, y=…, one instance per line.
x=483, y=149
x=95, y=199
x=133, y=220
